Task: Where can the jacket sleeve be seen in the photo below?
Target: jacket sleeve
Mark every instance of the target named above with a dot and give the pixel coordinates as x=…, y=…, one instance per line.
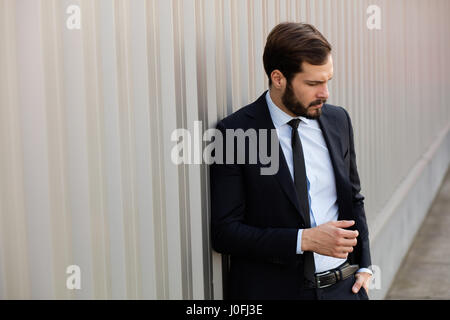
x=363, y=253
x=230, y=234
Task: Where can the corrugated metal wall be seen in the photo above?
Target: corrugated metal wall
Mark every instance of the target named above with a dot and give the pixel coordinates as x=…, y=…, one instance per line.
x=86, y=117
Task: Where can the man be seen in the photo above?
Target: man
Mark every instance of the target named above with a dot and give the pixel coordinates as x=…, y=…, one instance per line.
x=300, y=233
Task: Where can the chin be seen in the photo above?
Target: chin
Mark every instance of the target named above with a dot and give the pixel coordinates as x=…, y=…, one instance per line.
x=314, y=115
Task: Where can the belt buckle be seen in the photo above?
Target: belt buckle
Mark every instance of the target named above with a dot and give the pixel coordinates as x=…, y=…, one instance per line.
x=318, y=285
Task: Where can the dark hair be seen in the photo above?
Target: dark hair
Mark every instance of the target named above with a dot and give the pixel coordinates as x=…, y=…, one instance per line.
x=289, y=44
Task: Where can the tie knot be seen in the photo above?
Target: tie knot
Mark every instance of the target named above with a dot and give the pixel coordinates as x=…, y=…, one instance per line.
x=294, y=123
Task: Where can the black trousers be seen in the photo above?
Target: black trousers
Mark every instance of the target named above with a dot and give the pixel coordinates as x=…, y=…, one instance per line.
x=339, y=291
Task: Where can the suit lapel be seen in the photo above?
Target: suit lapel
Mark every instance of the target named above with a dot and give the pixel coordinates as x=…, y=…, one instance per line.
x=330, y=129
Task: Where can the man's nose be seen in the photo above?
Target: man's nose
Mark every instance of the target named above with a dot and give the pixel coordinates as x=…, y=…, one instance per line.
x=323, y=92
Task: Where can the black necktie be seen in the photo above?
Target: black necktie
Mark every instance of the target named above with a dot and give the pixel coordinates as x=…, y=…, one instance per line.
x=302, y=192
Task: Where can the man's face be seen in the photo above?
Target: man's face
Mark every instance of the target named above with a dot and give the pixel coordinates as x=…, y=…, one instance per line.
x=308, y=90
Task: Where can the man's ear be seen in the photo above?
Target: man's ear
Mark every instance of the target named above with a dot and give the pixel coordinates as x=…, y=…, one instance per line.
x=278, y=79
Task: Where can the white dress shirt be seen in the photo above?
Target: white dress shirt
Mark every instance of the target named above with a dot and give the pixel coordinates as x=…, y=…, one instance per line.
x=320, y=175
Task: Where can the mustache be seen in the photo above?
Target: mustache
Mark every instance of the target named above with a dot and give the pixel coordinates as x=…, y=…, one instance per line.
x=317, y=102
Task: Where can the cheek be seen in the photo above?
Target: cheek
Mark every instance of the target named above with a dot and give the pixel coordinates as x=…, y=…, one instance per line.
x=306, y=95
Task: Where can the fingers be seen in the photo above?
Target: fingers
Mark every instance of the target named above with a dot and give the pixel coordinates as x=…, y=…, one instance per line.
x=340, y=255
x=341, y=225
x=342, y=252
x=344, y=223
x=345, y=242
x=362, y=280
x=344, y=247
x=358, y=284
x=332, y=239
x=350, y=234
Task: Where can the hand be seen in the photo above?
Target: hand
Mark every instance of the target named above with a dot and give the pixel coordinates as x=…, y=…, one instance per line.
x=362, y=280
x=330, y=239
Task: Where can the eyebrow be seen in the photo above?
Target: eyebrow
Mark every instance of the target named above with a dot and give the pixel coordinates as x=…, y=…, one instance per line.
x=315, y=81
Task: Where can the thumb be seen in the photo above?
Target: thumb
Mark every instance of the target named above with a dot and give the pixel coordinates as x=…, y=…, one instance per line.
x=358, y=284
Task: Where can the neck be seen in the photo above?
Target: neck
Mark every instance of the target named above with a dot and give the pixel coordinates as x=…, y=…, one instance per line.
x=278, y=101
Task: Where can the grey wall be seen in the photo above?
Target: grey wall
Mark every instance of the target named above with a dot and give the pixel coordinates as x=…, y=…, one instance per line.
x=86, y=117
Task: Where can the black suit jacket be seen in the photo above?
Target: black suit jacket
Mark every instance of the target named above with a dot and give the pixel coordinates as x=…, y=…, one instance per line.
x=255, y=218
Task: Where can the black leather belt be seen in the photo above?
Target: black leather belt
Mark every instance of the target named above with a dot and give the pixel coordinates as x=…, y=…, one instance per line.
x=330, y=277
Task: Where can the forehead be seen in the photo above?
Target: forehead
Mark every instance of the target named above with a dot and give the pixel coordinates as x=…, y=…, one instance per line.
x=320, y=72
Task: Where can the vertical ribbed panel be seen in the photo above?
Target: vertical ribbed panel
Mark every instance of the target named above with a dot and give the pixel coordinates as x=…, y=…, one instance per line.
x=34, y=129
x=14, y=248
x=86, y=122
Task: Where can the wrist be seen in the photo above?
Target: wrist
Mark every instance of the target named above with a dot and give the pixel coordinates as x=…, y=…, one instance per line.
x=306, y=240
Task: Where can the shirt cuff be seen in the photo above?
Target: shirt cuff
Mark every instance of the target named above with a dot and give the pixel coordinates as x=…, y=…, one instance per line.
x=299, y=241
x=365, y=270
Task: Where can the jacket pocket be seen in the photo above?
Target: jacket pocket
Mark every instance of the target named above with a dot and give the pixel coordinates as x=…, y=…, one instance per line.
x=346, y=154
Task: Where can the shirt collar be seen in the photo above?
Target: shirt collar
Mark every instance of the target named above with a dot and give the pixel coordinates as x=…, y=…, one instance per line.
x=279, y=117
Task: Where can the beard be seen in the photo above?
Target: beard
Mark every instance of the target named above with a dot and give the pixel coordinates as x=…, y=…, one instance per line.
x=296, y=107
